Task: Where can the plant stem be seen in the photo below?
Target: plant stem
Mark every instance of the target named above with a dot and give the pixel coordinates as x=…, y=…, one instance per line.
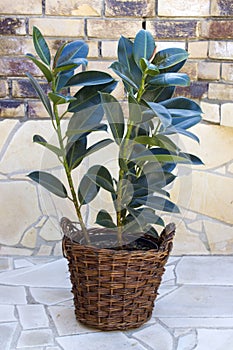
x=124, y=146
x=68, y=174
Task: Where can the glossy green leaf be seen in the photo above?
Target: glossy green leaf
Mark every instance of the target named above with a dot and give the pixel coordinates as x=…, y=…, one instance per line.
x=59, y=99
x=88, y=96
x=44, y=68
x=75, y=134
x=102, y=177
x=135, y=110
x=104, y=219
x=170, y=57
x=181, y=103
x=43, y=97
x=122, y=71
x=62, y=78
x=89, y=78
x=70, y=65
x=160, y=112
x=75, y=152
x=170, y=79
x=176, y=130
x=50, y=182
x=114, y=115
x=71, y=51
x=159, y=203
x=148, y=68
x=98, y=146
x=58, y=54
x=41, y=46
x=87, y=190
x=125, y=57
x=144, y=46
x=40, y=140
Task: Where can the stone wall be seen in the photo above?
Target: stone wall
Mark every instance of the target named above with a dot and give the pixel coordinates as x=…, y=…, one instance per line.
x=29, y=217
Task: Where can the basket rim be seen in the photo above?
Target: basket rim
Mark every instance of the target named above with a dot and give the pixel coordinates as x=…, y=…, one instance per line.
x=167, y=234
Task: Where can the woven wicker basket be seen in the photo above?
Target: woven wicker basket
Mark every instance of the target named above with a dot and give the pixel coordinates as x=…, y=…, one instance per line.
x=114, y=289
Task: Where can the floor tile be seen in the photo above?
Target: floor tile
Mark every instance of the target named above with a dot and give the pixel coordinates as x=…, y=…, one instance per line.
x=7, y=313
x=12, y=295
x=214, y=339
x=197, y=301
x=99, y=341
x=32, y=316
x=65, y=321
x=54, y=274
x=51, y=296
x=205, y=270
x=156, y=336
x=34, y=338
x=7, y=331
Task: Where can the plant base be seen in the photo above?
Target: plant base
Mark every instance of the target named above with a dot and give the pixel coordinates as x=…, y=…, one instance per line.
x=114, y=289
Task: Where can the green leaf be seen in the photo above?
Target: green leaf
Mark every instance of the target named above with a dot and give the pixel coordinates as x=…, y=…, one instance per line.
x=40, y=140
x=104, y=219
x=73, y=50
x=98, y=146
x=160, y=112
x=89, y=78
x=44, y=69
x=70, y=65
x=50, y=182
x=181, y=103
x=170, y=57
x=43, y=97
x=114, y=115
x=125, y=57
x=159, y=203
x=148, y=68
x=59, y=99
x=101, y=176
x=135, y=110
x=75, y=152
x=170, y=79
x=122, y=71
x=88, y=96
x=144, y=46
x=87, y=190
x=57, y=54
x=41, y=46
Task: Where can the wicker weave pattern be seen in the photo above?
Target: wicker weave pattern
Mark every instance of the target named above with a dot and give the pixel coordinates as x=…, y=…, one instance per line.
x=115, y=289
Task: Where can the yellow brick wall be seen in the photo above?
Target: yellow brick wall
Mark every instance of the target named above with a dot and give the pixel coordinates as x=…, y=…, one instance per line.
x=203, y=28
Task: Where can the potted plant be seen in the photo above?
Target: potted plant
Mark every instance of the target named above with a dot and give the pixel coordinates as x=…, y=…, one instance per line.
x=116, y=267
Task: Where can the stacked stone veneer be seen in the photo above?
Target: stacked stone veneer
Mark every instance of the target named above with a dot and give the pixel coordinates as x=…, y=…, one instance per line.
x=204, y=28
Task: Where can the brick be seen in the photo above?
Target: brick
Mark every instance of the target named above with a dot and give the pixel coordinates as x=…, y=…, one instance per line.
x=198, y=49
x=23, y=88
x=73, y=8
x=11, y=109
x=58, y=26
x=221, y=8
x=15, y=46
x=227, y=71
x=217, y=29
x=132, y=8
x=17, y=66
x=165, y=29
x=12, y=26
x=220, y=91
x=36, y=110
x=221, y=50
x=3, y=88
x=93, y=49
x=211, y=112
x=162, y=45
x=112, y=29
x=109, y=49
x=196, y=90
x=209, y=70
x=21, y=7
x=100, y=65
x=187, y=8
x=190, y=68
x=226, y=114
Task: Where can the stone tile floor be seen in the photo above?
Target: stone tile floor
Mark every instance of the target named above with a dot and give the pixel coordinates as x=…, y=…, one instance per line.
x=193, y=311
